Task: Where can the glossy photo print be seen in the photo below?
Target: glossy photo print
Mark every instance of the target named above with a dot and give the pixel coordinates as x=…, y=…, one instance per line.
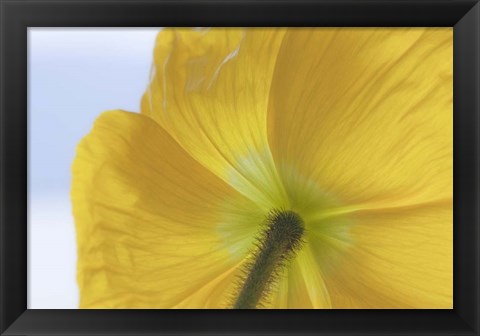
x=272, y=168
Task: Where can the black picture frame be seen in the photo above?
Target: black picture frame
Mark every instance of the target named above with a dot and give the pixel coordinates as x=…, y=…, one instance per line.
x=18, y=15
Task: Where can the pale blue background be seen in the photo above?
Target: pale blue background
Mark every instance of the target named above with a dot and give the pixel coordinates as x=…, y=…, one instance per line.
x=74, y=75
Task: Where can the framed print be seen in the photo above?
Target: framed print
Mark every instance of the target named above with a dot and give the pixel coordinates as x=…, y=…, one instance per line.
x=296, y=167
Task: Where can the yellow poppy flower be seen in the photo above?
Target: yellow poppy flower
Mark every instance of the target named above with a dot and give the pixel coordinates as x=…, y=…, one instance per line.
x=346, y=134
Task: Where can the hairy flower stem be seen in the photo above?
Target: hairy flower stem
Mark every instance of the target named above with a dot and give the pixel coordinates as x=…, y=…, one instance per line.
x=277, y=244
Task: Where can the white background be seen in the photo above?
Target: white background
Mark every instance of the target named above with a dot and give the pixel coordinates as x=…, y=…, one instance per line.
x=73, y=76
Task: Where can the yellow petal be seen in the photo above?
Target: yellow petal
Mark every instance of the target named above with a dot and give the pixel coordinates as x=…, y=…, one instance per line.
x=210, y=90
x=150, y=219
x=365, y=113
x=300, y=285
x=400, y=258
